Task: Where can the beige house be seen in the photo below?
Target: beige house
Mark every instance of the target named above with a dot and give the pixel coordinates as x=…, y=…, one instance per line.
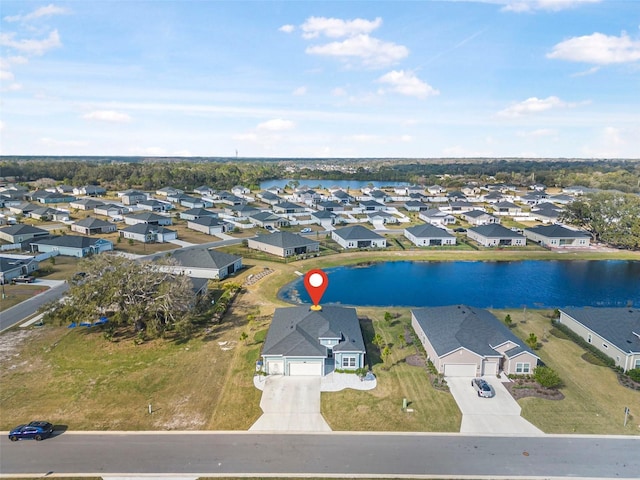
x=284, y=244
x=495, y=235
x=463, y=341
x=613, y=331
x=557, y=236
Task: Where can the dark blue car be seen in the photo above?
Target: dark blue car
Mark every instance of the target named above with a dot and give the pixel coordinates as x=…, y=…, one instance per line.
x=34, y=430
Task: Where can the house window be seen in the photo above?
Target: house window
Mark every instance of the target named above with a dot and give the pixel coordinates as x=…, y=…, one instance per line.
x=348, y=361
x=589, y=338
x=523, y=367
x=638, y=363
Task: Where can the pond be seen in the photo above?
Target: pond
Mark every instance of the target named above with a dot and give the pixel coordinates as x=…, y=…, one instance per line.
x=534, y=284
x=319, y=184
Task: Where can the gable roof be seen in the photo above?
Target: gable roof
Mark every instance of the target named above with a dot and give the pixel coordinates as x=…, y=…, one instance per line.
x=295, y=331
x=91, y=222
x=321, y=214
x=285, y=240
x=147, y=216
x=556, y=231
x=357, y=232
x=476, y=214
x=146, y=228
x=70, y=241
x=207, y=221
x=494, y=230
x=204, y=258
x=460, y=326
x=428, y=231
x=23, y=229
x=619, y=326
x=266, y=217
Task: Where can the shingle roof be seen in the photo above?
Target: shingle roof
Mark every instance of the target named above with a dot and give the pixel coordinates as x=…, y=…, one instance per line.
x=285, y=240
x=494, y=230
x=203, y=258
x=22, y=229
x=451, y=327
x=266, y=217
x=207, y=221
x=70, y=241
x=556, y=231
x=477, y=214
x=147, y=216
x=323, y=214
x=146, y=228
x=91, y=222
x=357, y=232
x=428, y=231
x=619, y=326
x=296, y=331
x=200, y=212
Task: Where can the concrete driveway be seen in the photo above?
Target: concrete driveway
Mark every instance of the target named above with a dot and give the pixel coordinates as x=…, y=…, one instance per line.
x=497, y=415
x=291, y=404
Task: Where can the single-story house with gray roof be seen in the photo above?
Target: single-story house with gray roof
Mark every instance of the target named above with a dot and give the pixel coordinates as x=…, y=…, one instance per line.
x=428, y=235
x=262, y=219
x=12, y=267
x=208, y=225
x=288, y=207
x=48, y=213
x=557, y=236
x=478, y=217
x=147, y=217
x=148, y=233
x=284, y=244
x=205, y=263
x=269, y=197
x=357, y=236
x=21, y=233
x=415, y=206
x=71, y=245
x=613, y=331
x=153, y=205
x=435, y=216
x=323, y=218
x=495, y=235
x=463, y=341
x=85, y=203
x=194, y=213
x=383, y=217
x=92, y=226
x=302, y=341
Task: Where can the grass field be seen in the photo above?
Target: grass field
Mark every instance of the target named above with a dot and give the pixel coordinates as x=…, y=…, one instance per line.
x=594, y=400
x=80, y=379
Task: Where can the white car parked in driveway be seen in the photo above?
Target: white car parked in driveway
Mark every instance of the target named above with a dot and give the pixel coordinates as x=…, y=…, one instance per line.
x=483, y=388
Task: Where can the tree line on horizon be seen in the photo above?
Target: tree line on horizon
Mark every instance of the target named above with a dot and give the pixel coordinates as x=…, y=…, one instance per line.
x=622, y=175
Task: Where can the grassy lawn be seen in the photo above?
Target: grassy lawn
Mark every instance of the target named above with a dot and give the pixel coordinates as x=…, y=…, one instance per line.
x=205, y=383
x=380, y=409
x=594, y=400
x=14, y=294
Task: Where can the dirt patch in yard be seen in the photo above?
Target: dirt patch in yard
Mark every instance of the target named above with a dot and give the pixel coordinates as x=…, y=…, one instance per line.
x=415, y=360
x=521, y=389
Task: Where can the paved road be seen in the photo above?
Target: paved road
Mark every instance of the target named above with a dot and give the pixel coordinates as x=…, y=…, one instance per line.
x=15, y=314
x=217, y=453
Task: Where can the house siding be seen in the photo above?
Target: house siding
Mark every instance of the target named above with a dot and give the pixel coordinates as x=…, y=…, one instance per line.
x=626, y=360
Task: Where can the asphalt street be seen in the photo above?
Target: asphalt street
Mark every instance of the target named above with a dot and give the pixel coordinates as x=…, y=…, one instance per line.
x=381, y=454
x=15, y=314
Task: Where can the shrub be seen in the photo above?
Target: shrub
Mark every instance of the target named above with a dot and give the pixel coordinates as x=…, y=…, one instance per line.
x=547, y=377
x=634, y=374
x=606, y=359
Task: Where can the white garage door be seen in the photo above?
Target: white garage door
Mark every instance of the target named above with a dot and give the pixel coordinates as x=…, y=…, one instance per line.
x=305, y=368
x=453, y=370
x=275, y=367
x=490, y=368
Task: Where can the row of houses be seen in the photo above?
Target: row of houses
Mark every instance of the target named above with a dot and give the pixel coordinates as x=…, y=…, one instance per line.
x=460, y=341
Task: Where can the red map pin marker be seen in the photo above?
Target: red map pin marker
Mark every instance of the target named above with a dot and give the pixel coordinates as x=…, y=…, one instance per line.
x=316, y=281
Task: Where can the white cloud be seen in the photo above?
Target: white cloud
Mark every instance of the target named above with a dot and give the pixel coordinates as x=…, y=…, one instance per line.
x=276, y=125
x=406, y=138
x=31, y=47
x=540, y=132
x=406, y=83
x=287, y=28
x=107, y=116
x=6, y=75
x=598, y=48
x=47, y=11
x=2, y=125
x=50, y=142
x=300, y=91
x=338, y=92
x=314, y=27
x=520, y=6
x=151, y=151
x=372, y=52
x=534, y=105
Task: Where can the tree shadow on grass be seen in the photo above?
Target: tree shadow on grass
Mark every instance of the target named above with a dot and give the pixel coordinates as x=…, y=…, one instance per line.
x=368, y=332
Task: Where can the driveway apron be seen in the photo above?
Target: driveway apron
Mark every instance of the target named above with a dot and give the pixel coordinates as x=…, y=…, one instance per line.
x=497, y=415
x=291, y=404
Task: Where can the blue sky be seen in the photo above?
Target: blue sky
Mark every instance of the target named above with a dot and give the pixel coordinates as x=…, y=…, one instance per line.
x=494, y=78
